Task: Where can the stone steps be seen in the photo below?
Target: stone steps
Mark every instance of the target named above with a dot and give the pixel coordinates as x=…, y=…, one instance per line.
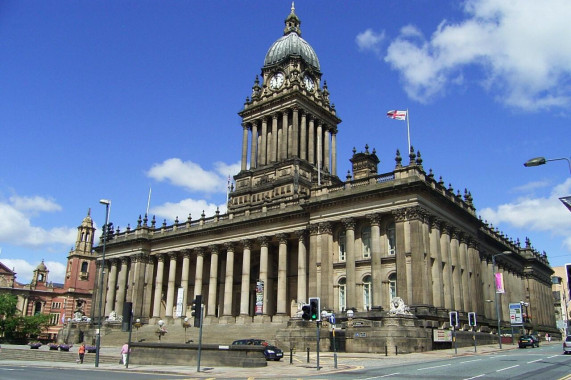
x=54, y=356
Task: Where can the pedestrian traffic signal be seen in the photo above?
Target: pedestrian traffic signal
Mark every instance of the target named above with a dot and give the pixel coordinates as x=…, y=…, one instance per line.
x=314, y=309
x=472, y=318
x=454, y=319
x=306, y=309
x=197, y=310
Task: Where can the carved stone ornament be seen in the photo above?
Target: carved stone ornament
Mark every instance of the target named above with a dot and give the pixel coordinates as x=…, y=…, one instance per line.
x=398, y=307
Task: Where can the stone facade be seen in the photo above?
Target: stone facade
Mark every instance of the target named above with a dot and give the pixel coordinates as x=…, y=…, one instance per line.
x=294, y=226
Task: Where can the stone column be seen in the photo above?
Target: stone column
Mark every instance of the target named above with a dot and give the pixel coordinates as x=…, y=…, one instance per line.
x=456, y=272
x=418, y=265
x=319, y=138
x=264, y=146
x=264, y=241
x=122, y=285
x=229, y=280
x=464, y=263
x=244, y=161
x=245, y=289
x=274, y=149
x=376, y=291
x=303, y=137
x=254, y=147
x=149, y=283
x=400, y=255
x=326, y=155
x=198, y=272
x=295, y=134
x=334, y=152
x=311, y=141
x=284, y=142
x=351, y=295
x=324, y=250
x=213, y=282
x=138, y=283
x=171, y=284
x=282, y=274
x=437, y=268
x=314, y=285
x=448, y=282
x=301, y=267
x=184, y=280
x=159, y=286
x=110, y=301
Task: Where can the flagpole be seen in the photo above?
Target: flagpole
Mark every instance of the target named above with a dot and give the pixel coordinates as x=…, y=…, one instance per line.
x=148, y=202
x=408, y=129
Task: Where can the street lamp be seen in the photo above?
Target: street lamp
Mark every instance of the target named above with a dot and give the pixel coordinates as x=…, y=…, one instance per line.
x=107, y=204
x=496, y=294
x=542, y=161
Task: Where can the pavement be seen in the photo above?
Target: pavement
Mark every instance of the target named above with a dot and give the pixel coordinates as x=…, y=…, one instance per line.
x=299, y=368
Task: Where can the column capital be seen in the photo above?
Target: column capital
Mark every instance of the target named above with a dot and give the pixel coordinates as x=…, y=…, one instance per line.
x=172, y=255
x=300, y=234
x=199, y=251
x=124, y=260
x=264, y=241
x=349, y=223
x=282, y=238
x=186, y=253
x=229, y=246
x=374, y=219
x=325, y=227
x=160, y=257
x=247, y=243
x=214, y=249
x=313, y=229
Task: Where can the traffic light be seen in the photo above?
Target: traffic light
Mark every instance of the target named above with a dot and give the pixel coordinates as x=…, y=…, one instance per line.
x=314, y=309
x=197, y=310
x=472, y=318
x=306, y=309
x=454, y=319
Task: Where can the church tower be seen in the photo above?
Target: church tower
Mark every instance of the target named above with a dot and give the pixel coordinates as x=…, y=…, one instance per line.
x=289, y=127
x=80, y=272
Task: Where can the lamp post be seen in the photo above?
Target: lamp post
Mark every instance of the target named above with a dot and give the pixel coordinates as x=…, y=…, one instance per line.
x=496, y=295
x=107, y=204
x=542, y=161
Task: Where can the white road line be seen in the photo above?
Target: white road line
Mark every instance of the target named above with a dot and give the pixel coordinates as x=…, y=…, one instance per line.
x=475, y=377
x=554, y=356
x=470, y=361
x=378, y=377
x=533, y=361
x=438, y=366
x=503, y=369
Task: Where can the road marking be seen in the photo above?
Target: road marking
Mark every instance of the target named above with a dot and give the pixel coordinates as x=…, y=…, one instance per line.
x=470, y=361
x=475, y=377
x=503, y=369
x=378, y=377
x=554, y=356
x=438, y=366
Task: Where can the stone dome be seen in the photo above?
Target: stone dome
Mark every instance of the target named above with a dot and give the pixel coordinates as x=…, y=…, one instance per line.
x=41, y=267
x=291, y=44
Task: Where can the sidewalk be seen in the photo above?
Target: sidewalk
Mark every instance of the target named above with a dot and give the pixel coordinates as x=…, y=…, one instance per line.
x=346, y=362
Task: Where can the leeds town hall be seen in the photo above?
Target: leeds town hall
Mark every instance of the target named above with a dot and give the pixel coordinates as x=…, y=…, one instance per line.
x=295, y=228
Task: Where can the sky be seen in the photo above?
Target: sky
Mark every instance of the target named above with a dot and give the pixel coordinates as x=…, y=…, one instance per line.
x=116, y=99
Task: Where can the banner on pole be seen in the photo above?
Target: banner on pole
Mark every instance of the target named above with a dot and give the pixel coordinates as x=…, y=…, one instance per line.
x=500, y=283
x=259, y=298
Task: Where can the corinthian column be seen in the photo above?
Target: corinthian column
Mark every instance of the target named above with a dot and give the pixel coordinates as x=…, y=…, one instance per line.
x=264, y=144
x=303, y=137
x=110, y=301
x=376, y=299
x=301, y=267
x=311, y=141
x=244, y=161
x=334, y=151
x=213, y=285
x=274, y=150
x=229, y=280
x=245, y=289
x=282, y=274
x=198, y=272
x=159, y=285
x=326, y=150
x=122, y=285
x=253, y=149
x=184, y=280
x=171, y=284
x=264, y=271
x=350, y=262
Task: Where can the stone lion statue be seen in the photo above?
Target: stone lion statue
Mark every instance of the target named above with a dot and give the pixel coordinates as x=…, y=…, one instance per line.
x=398, y=307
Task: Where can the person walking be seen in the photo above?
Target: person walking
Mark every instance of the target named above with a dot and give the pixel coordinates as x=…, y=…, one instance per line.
x=81, y=352
x=124, y=352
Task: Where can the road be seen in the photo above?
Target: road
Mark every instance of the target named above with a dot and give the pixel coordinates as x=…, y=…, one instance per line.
x=15, y=372
x=542, y=363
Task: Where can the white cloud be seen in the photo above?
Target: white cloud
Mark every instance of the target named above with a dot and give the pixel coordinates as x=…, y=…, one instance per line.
x=545, y=214
x=520, y=47
x=181, y=209
x=25, y=270
x=369, y=40
x=16, y=227
x=191, y=176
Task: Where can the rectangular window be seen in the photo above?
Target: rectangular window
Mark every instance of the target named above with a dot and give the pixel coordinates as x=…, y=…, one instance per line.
x=342, y=252
x=366, y=240
x=54, y=318
x=391, y=239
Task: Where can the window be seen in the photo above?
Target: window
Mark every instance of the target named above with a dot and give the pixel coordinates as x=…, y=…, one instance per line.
x=56, y=305
x=391, y=239
x=342, y=251
x=392, y=286
x=54, y=318
x=342, y=293
x=366, y=240
x=84, y=267
x=367, y=292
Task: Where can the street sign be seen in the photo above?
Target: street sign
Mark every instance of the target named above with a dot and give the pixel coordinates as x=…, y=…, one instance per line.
x=516, y=316
x=332, y=319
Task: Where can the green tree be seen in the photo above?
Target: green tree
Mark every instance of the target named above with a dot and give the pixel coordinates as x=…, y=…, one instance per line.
x=8, y=310
x=33, y=325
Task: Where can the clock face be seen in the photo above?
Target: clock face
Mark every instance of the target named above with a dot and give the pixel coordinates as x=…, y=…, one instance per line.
x=277, y=81
x=308, y=83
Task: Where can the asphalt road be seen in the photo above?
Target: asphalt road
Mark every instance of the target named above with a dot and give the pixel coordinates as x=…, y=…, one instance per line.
x=545, y=362
x=14, y=372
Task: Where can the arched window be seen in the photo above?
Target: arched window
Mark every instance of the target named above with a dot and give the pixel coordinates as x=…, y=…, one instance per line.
x=342, y=246
x=37, y=308
x=366, y=240
x=84, y=267
x=367, y=292
x=342, y=293
x=391, y=239
x=392, y=286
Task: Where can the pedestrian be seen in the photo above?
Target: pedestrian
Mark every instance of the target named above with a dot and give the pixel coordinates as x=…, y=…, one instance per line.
x=81, y=352
x=124, y=351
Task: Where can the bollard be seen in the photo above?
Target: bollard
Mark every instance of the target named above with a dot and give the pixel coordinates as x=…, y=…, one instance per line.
x=291, y=356
x=396, y=350
x=308, y=354
x=386, y=350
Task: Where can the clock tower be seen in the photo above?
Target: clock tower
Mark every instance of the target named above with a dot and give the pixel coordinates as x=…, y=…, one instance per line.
x=289, y=127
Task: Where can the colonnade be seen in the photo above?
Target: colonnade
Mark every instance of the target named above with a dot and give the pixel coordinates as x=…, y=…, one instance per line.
x=292, y=133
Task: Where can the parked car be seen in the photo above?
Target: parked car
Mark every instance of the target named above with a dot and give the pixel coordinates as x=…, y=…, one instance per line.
x=270, y=352
x=567, y=345
x=528, y=341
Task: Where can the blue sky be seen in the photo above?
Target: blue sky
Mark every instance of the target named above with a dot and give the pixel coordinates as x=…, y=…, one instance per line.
x=107, y=99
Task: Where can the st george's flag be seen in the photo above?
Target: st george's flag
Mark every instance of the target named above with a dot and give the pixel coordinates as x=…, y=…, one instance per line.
x=397, y=115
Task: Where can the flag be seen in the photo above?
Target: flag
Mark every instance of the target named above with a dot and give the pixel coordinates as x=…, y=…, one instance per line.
x=499, y=283
x=397, y=115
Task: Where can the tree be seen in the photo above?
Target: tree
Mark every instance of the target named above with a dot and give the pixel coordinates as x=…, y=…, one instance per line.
x=8, y=310
x=16, y=326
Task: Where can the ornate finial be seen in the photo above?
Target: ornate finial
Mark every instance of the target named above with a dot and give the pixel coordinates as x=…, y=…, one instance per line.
x=189, y=218
x=153, y=222
x=411, y=155
x=430, y=173
x=89, y=212
x=176, y=220
x=164, y=223
x=398, y=159
x=203, y=215
x=374, y=151
x=292, y=7
x=348, y=176
x=217, y=211
x=354, y=151
x=441, y=181
x=366, y=148
x=418, y=158
x=139, y=221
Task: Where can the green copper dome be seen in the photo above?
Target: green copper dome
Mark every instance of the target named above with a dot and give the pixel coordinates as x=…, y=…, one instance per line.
x=291, y=44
